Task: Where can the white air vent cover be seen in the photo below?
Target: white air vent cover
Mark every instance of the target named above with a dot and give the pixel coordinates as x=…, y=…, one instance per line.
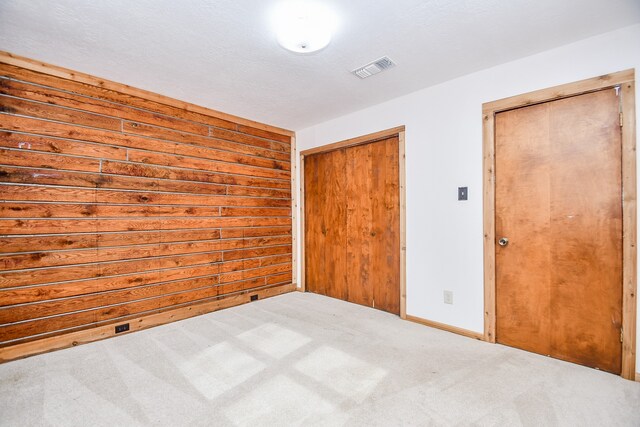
x=374, y=67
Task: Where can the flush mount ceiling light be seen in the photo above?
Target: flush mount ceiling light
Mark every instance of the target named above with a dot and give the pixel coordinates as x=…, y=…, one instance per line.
x=303, y=26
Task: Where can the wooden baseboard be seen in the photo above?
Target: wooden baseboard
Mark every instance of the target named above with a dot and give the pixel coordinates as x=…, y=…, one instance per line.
x=448, y=328
x=638, y=376
x=85, y=336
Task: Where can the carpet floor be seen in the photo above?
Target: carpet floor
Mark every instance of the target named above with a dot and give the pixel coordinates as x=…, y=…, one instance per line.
x=304, y=359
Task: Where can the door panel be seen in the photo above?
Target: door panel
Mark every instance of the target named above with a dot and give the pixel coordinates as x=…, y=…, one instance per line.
x=355, y=189
x=522, y=269
x=326, y=266
x=360, y=223
x=558, y=200
x=386, y=203
x=586, y=211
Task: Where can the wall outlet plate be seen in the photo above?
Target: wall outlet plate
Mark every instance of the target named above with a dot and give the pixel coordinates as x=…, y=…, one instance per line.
x=448, y=297
x=122, y=328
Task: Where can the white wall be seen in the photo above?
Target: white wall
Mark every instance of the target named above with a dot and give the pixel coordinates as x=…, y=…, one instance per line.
x=444, y=151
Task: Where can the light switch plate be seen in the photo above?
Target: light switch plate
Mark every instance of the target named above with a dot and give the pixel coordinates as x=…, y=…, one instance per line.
x=463, y=193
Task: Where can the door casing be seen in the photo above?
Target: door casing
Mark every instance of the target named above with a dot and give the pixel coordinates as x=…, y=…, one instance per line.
x=625, y=81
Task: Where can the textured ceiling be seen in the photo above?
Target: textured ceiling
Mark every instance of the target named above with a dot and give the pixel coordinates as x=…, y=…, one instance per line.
x=222, y=54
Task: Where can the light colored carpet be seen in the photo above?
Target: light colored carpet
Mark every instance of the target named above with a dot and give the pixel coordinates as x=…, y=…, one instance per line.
x=303, y=359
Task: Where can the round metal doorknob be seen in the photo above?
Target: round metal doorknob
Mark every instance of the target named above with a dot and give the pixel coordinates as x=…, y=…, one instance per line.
x=503, y=241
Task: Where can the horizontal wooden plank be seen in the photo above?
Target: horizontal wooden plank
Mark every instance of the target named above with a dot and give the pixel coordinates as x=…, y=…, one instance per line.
x=207, y=159
x=41, y=244
x=258, y=192
x=50, y=210
x=18, y=278
x=51, y=112
x=215, y=148
x=67, y=305
x=22, y=175
x=279, y=278
x=15, y=244
x=264, y=134
x=256, y=272
x=228, y=233
x=41, y=259
x=162, y=172
x=129, y=197
x=276, y=259
x=29, y=294
x=211, y=148
x=62, y=130
x=63, y=226
x=43, y=160
x=210, y=165
x=243, y=285
x=95, y=285
x=99, y=88
x=60, y=146
x=245, y=264
x=250, y=140
x=197, y=145
x=52, y=259
x=79, y=195
x=80, y=102
x=45, y=194
x=255, y=212
x=255, y=252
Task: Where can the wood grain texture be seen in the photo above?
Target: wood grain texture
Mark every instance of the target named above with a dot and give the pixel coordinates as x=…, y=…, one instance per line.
x=402, y=180
x=489, y=225
x=326, y=203
x=302, y=287
x=523, y=267
x=117, y=204
x=352, y=223
x=629, y=226
x=359, y=140
x=19, y=66
x=559, y=201
x=294, y=212
x=623, y=80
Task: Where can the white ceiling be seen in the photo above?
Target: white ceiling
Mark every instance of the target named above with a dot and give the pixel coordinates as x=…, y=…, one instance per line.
x=222, y=54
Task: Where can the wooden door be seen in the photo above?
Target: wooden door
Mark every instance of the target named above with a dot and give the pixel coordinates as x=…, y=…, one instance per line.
x=559, y=204
x=352, y=224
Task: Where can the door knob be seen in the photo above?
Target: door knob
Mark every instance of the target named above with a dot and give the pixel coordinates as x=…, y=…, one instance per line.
x=503, y=241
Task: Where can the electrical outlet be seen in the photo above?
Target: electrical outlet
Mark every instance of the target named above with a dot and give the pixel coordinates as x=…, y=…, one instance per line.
x=448, y=297
x=122, y=328
x=254, y=297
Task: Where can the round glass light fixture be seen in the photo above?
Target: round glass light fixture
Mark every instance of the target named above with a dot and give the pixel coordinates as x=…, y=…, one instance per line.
x=303, y=26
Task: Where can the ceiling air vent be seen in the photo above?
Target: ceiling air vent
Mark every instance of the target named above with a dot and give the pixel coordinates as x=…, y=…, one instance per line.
x=374, y=67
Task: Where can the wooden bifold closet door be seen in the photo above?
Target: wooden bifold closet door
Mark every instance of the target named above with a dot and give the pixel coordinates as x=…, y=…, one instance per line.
x=352, y=224
x=559, y=229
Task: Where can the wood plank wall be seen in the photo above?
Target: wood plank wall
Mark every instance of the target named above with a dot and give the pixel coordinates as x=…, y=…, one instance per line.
x=116, y=206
